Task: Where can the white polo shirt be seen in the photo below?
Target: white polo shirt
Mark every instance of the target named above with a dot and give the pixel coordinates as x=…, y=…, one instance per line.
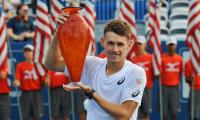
x=126, y=84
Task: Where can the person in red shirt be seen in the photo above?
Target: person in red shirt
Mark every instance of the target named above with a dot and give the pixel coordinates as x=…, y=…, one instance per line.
x=59, y=99
x=144, y=60
x=31, y=98
x=170, y=79
x=194, y=82
x=4, y=92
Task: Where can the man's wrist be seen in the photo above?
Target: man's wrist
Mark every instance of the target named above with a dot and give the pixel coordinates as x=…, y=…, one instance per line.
x=90, y=94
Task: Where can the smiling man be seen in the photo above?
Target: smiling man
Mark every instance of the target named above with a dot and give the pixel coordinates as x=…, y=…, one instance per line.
x=114, y=85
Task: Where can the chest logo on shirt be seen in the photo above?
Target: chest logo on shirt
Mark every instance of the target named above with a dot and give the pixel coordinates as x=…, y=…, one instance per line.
x=121, y=81
x=28, y=74
x=172, y=67
x=136, y=93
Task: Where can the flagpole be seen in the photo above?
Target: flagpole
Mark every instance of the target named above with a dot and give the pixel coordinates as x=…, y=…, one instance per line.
x=49, y=100
x=13, y=71
x=160, y=98
x=192, y=98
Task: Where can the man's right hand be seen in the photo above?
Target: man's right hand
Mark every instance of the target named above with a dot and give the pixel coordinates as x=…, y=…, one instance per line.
x=62, y=17
x=16, y=83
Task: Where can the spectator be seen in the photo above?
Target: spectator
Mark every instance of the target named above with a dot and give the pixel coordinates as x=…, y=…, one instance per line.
x=31, y=99
x=20, y=27
x=144, y=60
x=113, y=85
x=170, y=79
x=59, y=99
x=194, y=82
x=4, y=92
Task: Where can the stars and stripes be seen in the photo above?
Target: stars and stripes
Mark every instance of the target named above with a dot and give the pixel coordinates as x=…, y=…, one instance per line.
x=3, y=43
x=193, y=33
x=56, y=6
x=127, y=14
x=89, y=14
x=154, y=35
x=42, y=38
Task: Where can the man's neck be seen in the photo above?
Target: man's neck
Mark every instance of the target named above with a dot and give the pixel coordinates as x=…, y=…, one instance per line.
x=112, y=68
x=140, y=53
x=29, y=61
x=171, y=53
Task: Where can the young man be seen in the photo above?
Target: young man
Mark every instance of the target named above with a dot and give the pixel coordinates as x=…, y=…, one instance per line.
x=59, y=99
x=31, y=98
x=194, y=82
x=144, y=60
x=170, y=79
x=114, y=85
x=4, y=92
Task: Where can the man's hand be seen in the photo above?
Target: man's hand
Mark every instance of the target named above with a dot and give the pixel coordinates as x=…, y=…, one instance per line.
x=71, y=86
x=3, y=75
x=47, y=81
x=16, y=83
x=77, y=86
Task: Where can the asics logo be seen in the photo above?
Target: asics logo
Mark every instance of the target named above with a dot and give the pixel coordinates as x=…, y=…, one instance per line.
x=136, y=93
x=121, y=81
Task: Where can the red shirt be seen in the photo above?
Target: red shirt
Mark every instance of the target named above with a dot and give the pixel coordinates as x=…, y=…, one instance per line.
x=145, y=61
x=57, y=79
x=5, y=89
x=102, y=54
x=25, y=75
x=171, y=69
x=189, y=71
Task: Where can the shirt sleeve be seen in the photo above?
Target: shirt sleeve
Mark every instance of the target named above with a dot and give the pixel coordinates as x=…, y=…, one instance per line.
x=18, y=74
x=134, y=86
x=10, y=23
x=188, y=71
x=4, y=67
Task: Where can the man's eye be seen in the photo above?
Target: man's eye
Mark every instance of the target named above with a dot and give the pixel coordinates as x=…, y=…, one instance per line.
x=120, y=44
x=110, y=43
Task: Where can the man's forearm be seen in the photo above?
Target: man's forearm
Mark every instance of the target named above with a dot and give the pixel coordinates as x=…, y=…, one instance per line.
x=119, y=112
x=53, y=58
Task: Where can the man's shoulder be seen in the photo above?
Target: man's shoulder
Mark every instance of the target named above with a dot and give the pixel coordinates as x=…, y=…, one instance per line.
x=132, y=67
x=94, y=59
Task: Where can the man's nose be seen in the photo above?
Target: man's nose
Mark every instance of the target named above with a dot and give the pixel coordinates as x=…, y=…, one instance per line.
x=115, y=47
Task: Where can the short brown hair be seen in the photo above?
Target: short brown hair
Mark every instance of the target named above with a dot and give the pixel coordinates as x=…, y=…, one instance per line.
x=119, y=27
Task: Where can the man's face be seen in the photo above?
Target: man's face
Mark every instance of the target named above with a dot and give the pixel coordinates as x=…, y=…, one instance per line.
x=140, y=46
x=28, y=54
x=171, y=48
x=116, y=47
x=24, y=10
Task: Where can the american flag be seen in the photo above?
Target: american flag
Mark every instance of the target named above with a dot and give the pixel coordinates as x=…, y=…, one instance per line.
x=89, y=14
x=56, y=6
x=154, y=36
x=42, y=38
x=3, y=43
x=127, y=14
x=193, y=33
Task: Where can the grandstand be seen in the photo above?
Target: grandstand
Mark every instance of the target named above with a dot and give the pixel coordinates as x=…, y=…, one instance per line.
x=173, y=21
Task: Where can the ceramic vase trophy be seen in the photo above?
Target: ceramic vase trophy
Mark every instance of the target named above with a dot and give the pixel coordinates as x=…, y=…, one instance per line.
x=74, y=39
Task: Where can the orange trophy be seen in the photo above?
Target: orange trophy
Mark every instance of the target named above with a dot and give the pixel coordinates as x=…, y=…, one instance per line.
x=74, y=39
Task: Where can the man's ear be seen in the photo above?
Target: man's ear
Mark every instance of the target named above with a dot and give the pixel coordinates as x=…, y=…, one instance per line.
x=102, y=42
x=130, y=44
